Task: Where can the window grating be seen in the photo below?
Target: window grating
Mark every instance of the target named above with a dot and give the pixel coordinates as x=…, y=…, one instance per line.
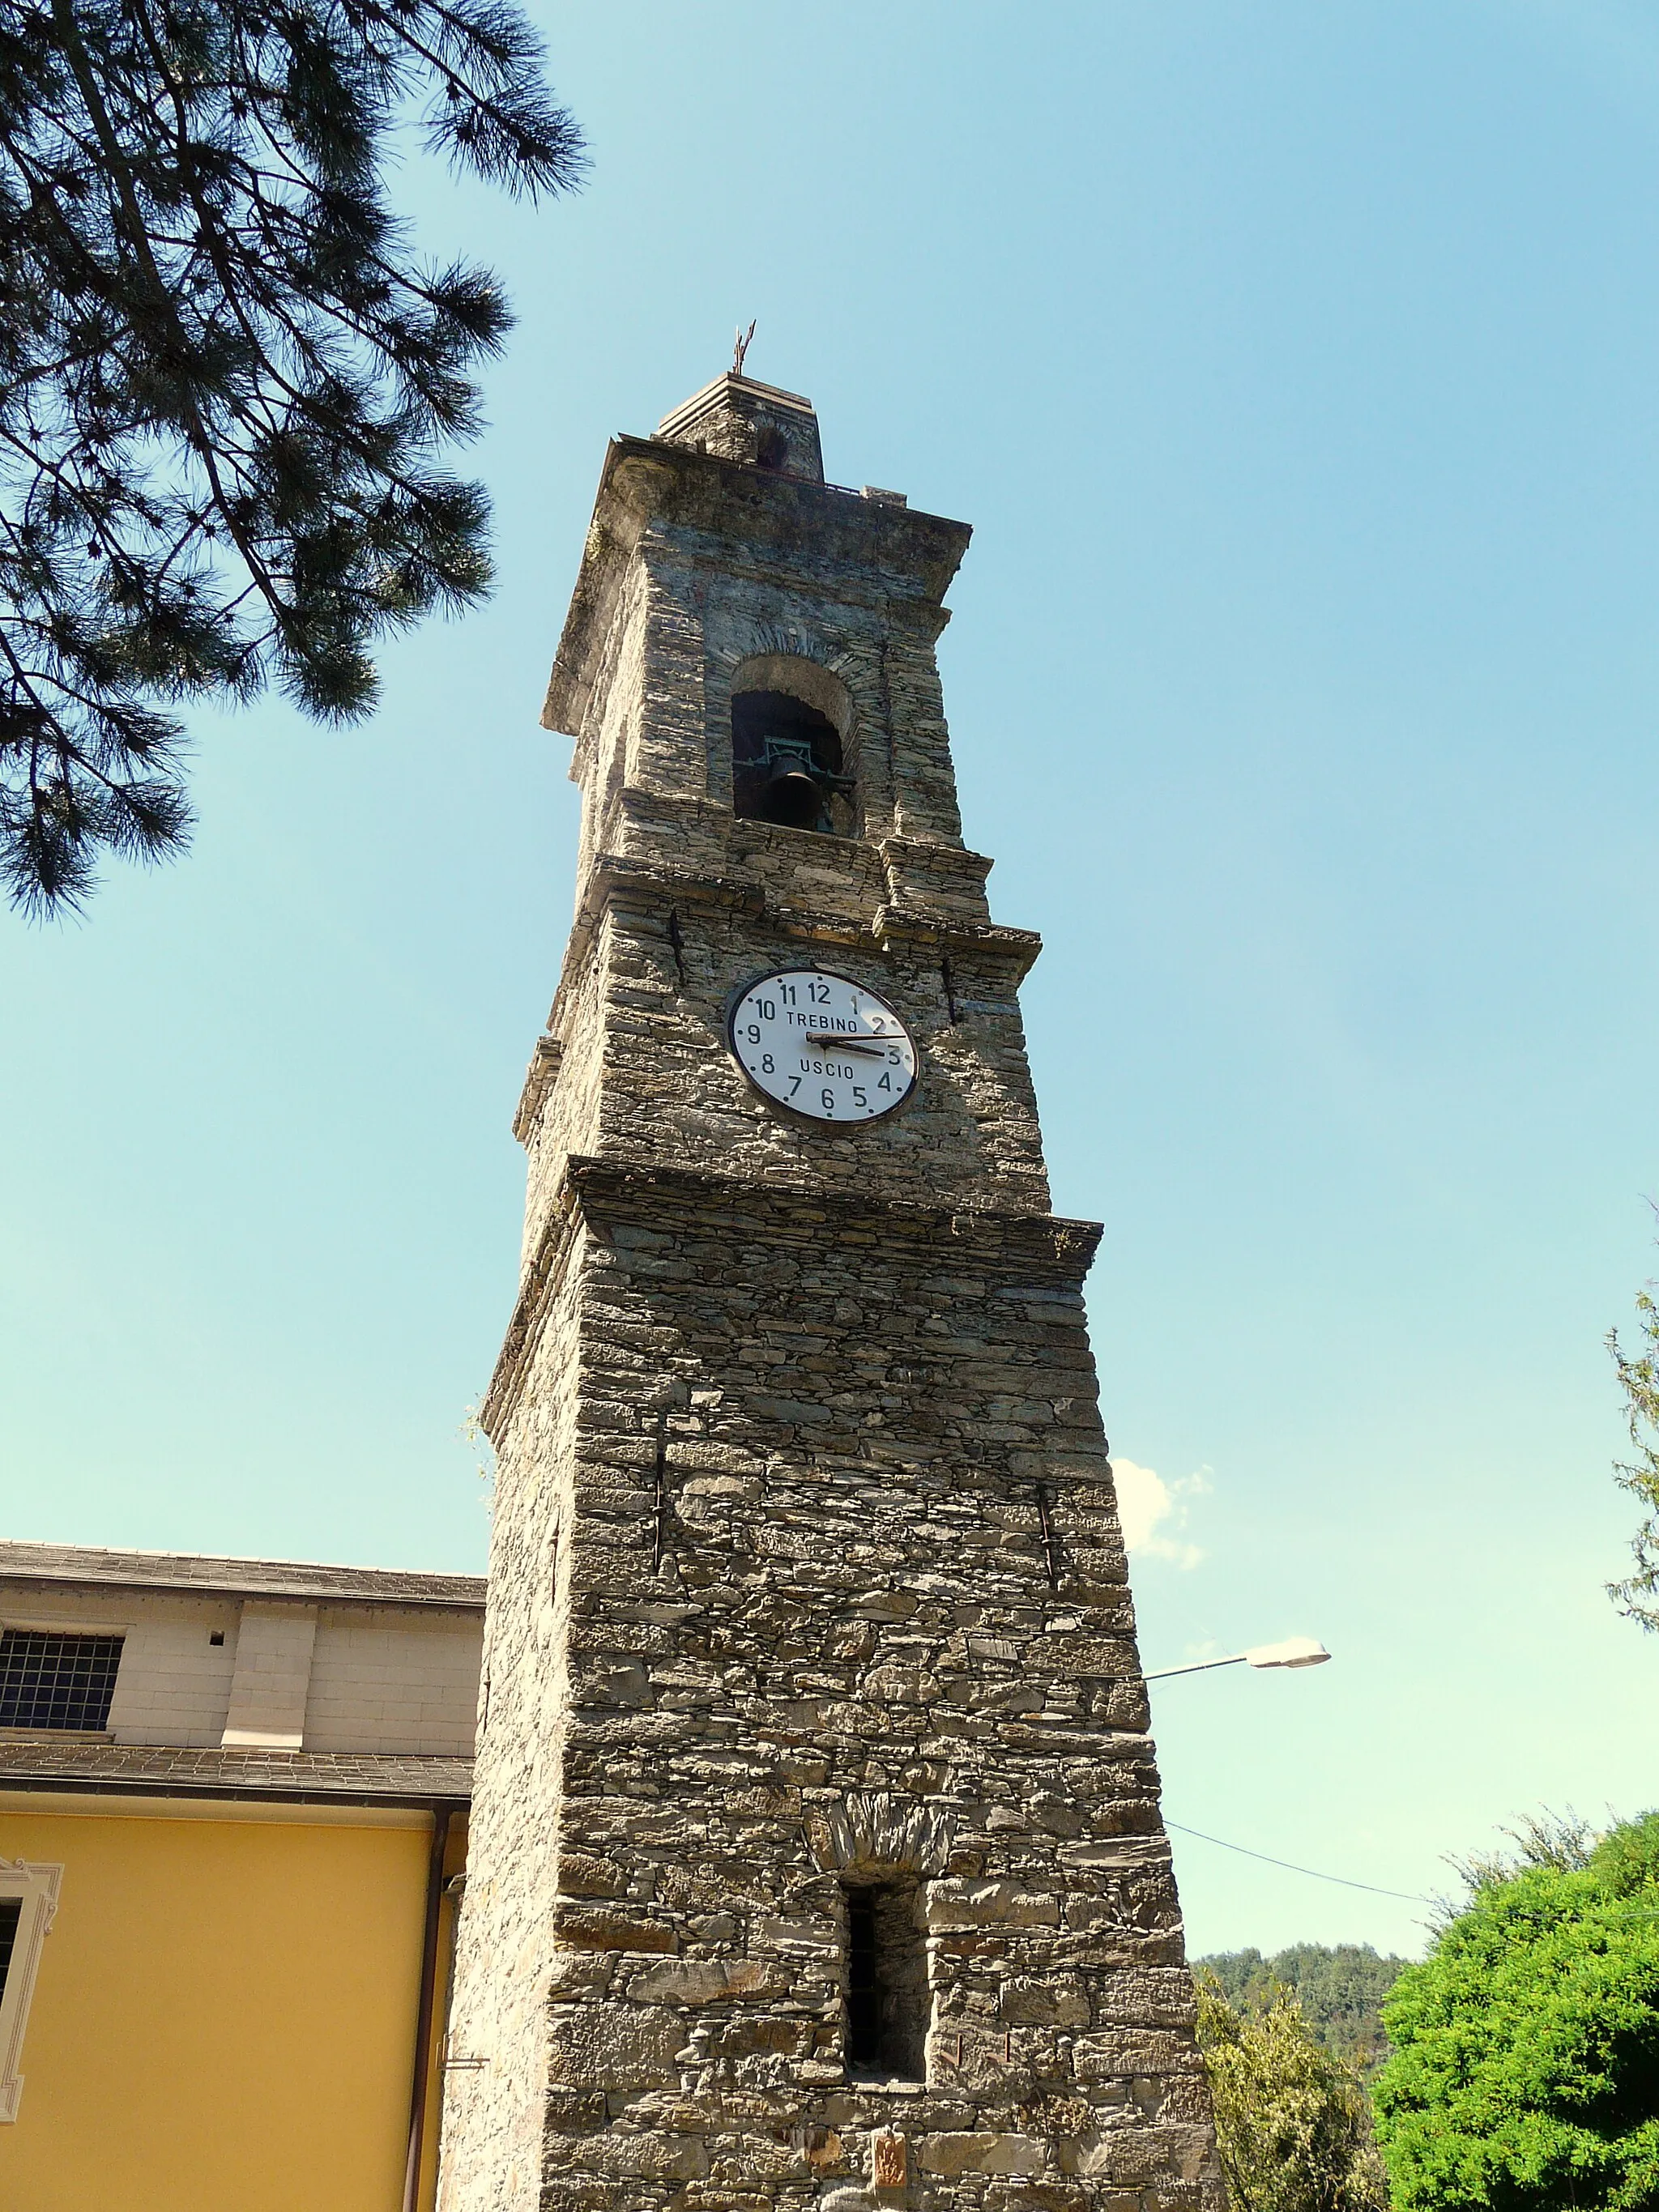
x=57, y=1681
x=12, y=1911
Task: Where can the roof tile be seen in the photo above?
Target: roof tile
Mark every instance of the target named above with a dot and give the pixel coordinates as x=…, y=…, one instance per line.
x=157, y=1770
x=186, y=1571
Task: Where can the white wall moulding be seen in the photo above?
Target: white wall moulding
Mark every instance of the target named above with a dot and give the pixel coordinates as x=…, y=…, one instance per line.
x=33, y=1890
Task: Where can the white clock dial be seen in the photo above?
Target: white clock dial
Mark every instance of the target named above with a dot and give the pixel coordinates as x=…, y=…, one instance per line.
x=823, y=1045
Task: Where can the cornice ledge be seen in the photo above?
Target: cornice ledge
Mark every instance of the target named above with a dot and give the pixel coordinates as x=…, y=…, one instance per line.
x=593, y=1192
x=538, y=1286
x=905, y=925
x=613, y=876
x=539, y=1078
x=598, y=1188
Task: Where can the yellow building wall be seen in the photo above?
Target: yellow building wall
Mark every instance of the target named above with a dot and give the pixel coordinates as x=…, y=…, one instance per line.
x=224, y=2019
x=454, y=1863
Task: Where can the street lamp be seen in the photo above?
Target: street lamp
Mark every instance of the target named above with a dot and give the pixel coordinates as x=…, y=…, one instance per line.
x=1294, y=1651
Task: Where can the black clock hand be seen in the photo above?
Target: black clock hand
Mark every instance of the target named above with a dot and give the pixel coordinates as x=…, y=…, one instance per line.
x=845, y=1044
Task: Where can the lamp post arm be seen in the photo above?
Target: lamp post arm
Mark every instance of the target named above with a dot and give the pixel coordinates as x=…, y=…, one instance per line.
x=1294, y=1651
x=1197, y=1667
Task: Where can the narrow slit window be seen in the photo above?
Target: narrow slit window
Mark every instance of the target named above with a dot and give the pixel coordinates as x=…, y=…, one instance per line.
x=57, y=1681
x=887, y=2000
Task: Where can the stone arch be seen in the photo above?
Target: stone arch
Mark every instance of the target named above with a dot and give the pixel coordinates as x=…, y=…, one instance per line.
x=873, y=1832
x=809, y=681
x=763, y=659
x=791, y=765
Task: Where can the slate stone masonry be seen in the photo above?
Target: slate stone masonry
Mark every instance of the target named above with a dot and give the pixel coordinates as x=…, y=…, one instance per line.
x=806, y=1583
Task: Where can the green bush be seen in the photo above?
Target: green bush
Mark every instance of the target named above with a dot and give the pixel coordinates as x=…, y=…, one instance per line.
x=1525, y=2072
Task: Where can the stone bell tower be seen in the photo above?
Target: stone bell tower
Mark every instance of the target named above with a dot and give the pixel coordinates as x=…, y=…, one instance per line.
x=817, y=1859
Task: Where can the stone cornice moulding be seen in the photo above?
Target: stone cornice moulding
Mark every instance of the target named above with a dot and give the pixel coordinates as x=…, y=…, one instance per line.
x=1057, y=1250
x=690, y=412
x=614, y=880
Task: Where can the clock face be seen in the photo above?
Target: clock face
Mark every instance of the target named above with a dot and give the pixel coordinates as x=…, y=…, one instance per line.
x=823, y=1046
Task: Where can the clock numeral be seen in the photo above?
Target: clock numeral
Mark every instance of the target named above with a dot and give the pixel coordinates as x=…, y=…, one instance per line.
x=782, y=1017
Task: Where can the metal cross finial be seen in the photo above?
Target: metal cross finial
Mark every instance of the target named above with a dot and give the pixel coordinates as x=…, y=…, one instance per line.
x=741, y=349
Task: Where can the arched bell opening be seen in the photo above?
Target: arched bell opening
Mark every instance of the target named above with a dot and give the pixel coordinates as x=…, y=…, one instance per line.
x=787, y=764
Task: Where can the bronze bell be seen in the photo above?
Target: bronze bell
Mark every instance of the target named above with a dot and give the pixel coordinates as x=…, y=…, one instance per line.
x=791, y=798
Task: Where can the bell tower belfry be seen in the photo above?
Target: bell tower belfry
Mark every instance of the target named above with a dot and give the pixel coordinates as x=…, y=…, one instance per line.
x=816, y=1857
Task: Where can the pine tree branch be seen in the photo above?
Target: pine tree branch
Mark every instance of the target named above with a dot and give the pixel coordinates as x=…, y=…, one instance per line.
x=138, y=240
x=222, y=384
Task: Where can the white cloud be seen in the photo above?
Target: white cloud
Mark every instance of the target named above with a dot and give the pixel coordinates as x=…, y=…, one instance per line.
x=1154, y=1512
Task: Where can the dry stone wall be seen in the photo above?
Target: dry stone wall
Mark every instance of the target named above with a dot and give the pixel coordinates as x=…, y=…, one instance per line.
x=842, y=1587
x=816, y=1863
x=644, y=1067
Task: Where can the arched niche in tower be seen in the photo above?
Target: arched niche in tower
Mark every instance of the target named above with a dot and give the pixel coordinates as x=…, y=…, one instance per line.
x=792, y=745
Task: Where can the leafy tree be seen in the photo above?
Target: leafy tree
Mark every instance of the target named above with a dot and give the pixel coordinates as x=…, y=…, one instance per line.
x=1638, y=1596
x=1293, y=2130
x=1564, y=1841
x=1339, y=1989
x=225, y=381
x=1525, y=2073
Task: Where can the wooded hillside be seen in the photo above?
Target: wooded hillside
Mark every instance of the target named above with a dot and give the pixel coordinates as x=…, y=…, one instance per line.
x=1341, y=1991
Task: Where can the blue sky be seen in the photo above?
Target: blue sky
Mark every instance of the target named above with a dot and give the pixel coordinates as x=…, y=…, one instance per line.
x=1298, y=368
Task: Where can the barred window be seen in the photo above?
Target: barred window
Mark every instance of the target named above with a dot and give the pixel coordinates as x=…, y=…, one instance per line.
x=57, y=1681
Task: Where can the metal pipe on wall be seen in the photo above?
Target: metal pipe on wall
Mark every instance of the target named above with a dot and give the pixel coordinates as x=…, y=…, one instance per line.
x=434, y=1898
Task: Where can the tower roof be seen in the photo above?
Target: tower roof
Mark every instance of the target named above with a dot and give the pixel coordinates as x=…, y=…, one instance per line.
x=742, y=420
